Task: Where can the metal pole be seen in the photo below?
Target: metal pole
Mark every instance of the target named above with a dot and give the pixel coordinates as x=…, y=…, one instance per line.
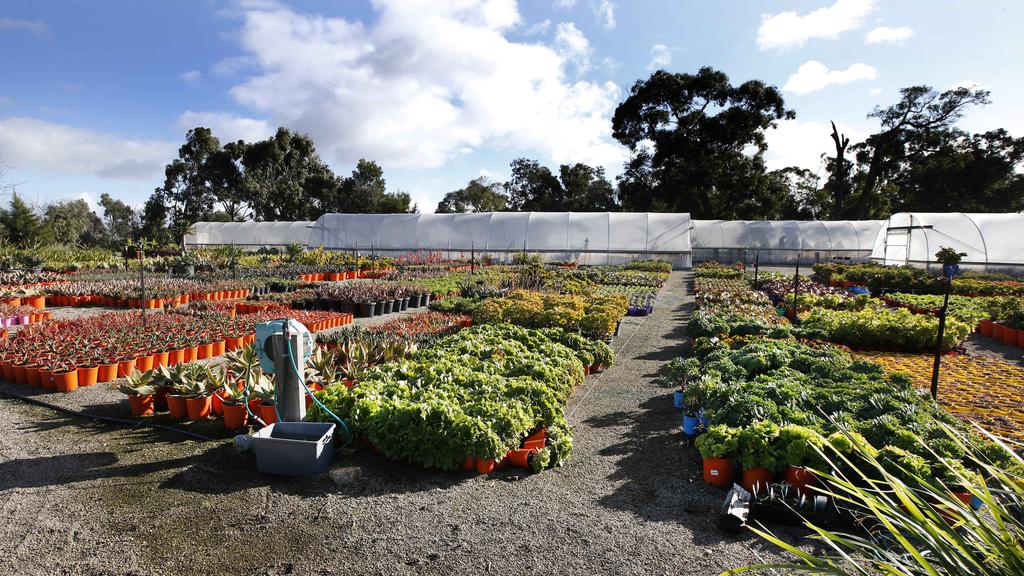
x=757, y=258
x=938, y=339
x=142, y=281
x=472, y=257
x=796, y=289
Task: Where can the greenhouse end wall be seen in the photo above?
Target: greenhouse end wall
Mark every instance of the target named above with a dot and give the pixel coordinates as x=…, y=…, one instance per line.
x=783, y=242
x=991, y=242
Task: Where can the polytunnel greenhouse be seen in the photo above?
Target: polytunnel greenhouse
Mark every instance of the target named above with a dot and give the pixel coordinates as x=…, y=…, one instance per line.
x=589, y=238
x=783, y=241
x=991, y=241
x=248, y=234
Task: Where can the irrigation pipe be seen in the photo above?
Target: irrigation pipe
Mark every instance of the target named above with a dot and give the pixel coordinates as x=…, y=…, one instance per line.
x=107, y=419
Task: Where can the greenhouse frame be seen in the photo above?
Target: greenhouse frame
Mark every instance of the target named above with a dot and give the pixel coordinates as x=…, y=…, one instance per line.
x=251, y=235
x=783, y=241
x=990, y=241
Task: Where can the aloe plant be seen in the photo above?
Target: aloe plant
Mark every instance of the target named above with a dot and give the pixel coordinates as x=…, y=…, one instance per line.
x=138, y=384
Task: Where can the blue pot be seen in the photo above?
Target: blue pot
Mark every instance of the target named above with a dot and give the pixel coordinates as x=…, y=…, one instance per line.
x=677, y=399
x=950, y=270
x=976, y=503
x=690, y=425
x=704, y=420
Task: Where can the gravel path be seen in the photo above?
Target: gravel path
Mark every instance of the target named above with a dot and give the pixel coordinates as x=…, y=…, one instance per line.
x=80, y=498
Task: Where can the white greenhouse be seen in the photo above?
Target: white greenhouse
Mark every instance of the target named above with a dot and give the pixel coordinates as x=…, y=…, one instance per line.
x=585, y=237
x=249, y=235
x=991, y=241
x=783, y=241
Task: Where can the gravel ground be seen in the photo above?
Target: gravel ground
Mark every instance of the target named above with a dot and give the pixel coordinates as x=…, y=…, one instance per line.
x=85, y=498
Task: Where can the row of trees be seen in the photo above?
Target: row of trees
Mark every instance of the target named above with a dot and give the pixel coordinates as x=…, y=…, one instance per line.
x=280, y=178
x=697, y=144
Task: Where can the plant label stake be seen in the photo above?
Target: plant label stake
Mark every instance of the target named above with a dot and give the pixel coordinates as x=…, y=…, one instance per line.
x=757, y=258
x=939, y=338
x=796, y=290
x=142, y=281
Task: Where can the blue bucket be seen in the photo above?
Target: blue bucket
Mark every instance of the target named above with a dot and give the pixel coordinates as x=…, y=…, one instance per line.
x=976, y=503
x=677, y=399
x=690, y=425
x=704, y=420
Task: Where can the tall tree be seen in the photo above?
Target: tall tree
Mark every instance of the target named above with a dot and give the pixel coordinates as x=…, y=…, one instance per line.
x=223, y=171
x=839, y=185
x=276, y=172
x=120, y=221
x=586, y=189
x=73, y=222
x=480, y=195
x=20, y=224
x=577, y=187
x=532, y=187
x=911, y=129
x=187, y=192
x=698, y=142
x=365, y=192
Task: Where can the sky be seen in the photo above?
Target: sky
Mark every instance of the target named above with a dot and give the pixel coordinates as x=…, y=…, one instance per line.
x=97, y=96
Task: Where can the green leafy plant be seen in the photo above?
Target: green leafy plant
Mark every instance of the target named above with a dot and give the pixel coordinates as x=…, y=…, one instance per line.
x=947, y=255
x=756, y=444
x=718, y=442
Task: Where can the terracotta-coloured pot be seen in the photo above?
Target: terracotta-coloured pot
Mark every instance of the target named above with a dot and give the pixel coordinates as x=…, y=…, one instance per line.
x=175, y=357
x=204, y=351
x=520, y=457
x=235, y=416
x=219, y=347
x=88, y=375
x=198, y=408
x=141, y=404
x=1010, y=335
x=192, y=354
x=232, y=343
x=144, y=363
x=997, y=331
x=718, y=472
x=176, y=407
x=757, y=479
x=216, y=404
x=126, y=368
x=267, y=413
x=66, y=381
x=484, y=466
x=985, y=328
x=159, y=359
x=800, y=478
x=107, y=372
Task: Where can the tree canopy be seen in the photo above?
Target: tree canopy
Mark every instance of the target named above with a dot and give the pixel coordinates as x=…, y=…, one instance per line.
x=480, y=195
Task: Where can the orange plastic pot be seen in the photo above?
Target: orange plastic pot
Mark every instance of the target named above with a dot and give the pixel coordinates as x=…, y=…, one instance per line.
x=268, y=413
x=219, y=347
x=232, y=343
x=175, y=357
x=757, y=479
x=125, y=368
x=537, y=440
x=46, y=379
x=216, y=404
x=141, y=404
x=176, y=407
x=204, y=351
x=8, y=371
x=469, y=463
x=1010, y=335
x=484, y=466
x=985, y=328
x=235, y=416
x=800, y=478
x=520, y=457
x=66, y=381
x=88, y=375
x=997, y=331
x=192, y=354
x=718, y=472
x=32, y=375
x=107, y=372
x=198, y=408
x=20, y=374
x=37, y=302
x=145, y=363
x=1020, y=338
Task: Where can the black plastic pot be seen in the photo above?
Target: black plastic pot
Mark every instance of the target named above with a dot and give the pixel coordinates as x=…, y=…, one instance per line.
x=366, y=309
x=405, y=303
x=378, y=309
x=388, y=304
x=396, y=305
x=425, y=300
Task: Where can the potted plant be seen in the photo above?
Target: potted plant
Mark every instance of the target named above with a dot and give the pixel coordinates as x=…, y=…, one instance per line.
x=263, y=389
x=797, y=448
x=141, y=393
x=194, y=386
x=950, y=260
x=236, y=413
x=757, y=455
x=694, y=397
x=717, y=447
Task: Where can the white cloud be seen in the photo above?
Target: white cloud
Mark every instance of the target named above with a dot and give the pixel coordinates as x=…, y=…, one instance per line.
x=494, y=175
x=191, y=77
x=573, y=46
x=604, y=10
x=30, y=143
x=538, y=28
x=813, y=76
x=37, y=27
x=792, y=29
x=887, y=35
x=423, y=82
x=796, y=143
x=227, y=127
x=660, y=57
x=234, y=65
x=565, y=3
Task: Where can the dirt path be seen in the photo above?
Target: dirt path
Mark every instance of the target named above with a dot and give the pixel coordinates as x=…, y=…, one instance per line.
x=80, y=498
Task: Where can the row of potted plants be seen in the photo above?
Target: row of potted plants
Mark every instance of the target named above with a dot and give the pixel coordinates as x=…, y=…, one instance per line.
x=596, y=317
x=115, y=345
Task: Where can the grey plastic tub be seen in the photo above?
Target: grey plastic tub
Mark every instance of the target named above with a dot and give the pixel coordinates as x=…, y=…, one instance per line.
x=294, y=448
